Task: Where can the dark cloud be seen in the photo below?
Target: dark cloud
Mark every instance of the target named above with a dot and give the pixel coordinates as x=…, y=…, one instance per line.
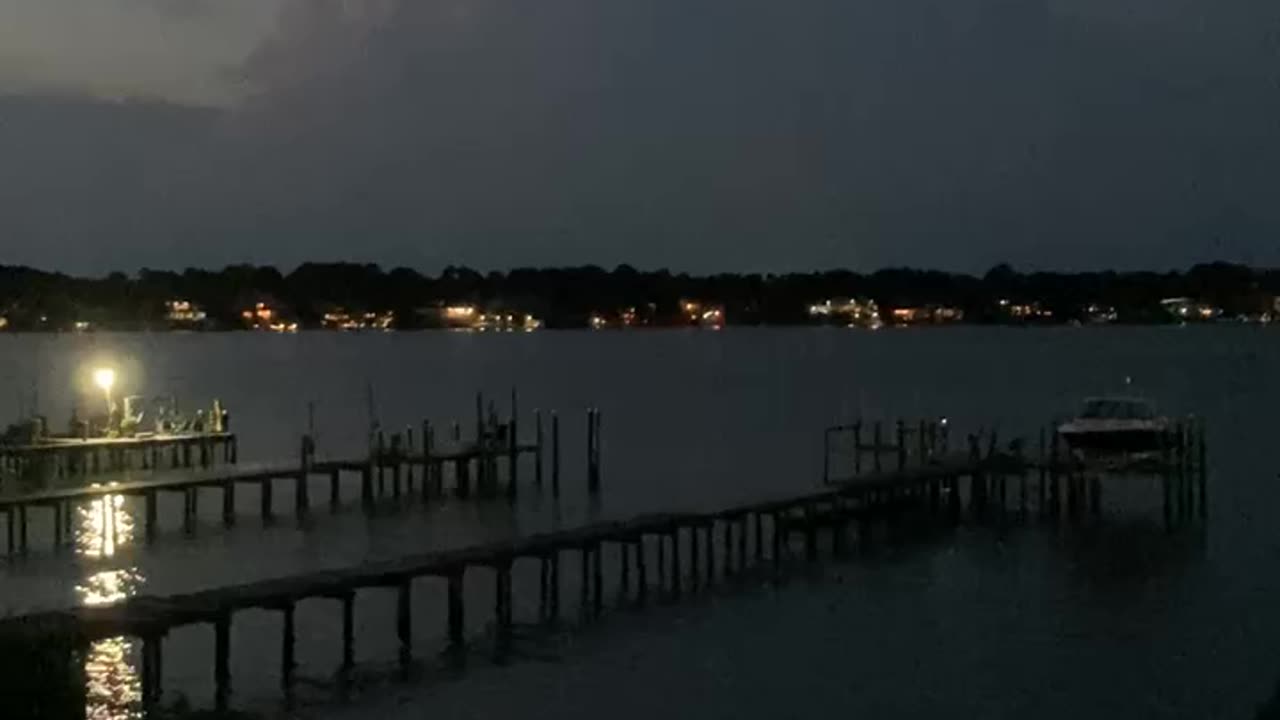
x=742, y=134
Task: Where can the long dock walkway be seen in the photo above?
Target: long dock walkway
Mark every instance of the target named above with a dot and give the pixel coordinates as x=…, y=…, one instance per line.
x=90, y=456
x=663, y=554
x=371, y=472
x=685, y=560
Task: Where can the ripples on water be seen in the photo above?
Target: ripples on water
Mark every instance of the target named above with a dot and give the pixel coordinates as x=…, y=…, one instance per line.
x=114, y=686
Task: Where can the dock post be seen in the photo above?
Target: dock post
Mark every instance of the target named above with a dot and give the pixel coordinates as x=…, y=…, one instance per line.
x=694, y=579
x=301, y=495
x=428, y=467
x=544, y=582
x=479, y=418
x=348, y=633
x=624, y=570
x=503, y=610
x=8, y=527
x=537, y=453
x=553, y=589
x=555, y=454
x=404, y=627
x=22, y=529
x=902, y=445
x=1202, y=470
x=662, y=564
x=287, y=646
x=152, y=513
x=57, y=525
x=710, y=529
x=593, y=454
x=462, y=476
x=597, y=580
x=1055, y=476
x=759, y=517
x=335, y=490
x=366, y=485
x=923, y=443
x=675, y=562
x=397, y=464
x=152, y=670
x=1044, y=461
x=584, y=589
x=810, y=534
x=1190, y=468
x=456, y=613
x=642, y=573
x=380, y=462
x=266, y=499
x=742, y=542
x=775, y=520
x=228, y=503
x=727, y=557
x=877, y=441
x=409, y=474
x=513, y=463
x=826, y=456
x=1022, y=493
x=514, y=445
x=222, y=661
x=857, y=447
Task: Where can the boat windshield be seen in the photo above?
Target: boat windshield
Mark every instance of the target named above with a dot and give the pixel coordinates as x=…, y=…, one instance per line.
x=1117, y=410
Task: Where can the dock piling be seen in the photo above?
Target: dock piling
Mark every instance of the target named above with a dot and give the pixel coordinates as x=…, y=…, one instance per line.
x=229, y=503
x=222, y=661
x=555, y=454
x=537, y=455
x=456, y=613
x=404, y=626
x=287, y=649
x=348, y=632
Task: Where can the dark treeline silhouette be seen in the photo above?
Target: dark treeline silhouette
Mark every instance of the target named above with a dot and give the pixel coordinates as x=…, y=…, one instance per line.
x=566, y=297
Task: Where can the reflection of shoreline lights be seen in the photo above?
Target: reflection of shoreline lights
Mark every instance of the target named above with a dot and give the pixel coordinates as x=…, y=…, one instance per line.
x=113, y=687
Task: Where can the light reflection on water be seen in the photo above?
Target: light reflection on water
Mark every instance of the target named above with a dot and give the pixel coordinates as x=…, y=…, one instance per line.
x=113, y=684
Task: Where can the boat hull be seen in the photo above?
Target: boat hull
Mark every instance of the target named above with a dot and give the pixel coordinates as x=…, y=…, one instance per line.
x=1135, y=440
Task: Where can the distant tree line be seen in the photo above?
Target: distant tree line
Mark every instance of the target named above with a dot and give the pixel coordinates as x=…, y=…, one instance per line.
x=566, y=297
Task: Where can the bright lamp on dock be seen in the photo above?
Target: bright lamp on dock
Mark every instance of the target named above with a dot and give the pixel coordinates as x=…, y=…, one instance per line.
x=105, y=378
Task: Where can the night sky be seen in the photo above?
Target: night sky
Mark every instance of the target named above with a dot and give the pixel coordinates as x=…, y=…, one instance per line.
x=693, y=134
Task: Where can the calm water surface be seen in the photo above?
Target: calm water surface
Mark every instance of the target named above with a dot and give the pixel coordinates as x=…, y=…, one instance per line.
x=1115, y=621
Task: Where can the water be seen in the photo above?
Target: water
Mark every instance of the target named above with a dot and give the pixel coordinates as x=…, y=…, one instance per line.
x=1120, y=621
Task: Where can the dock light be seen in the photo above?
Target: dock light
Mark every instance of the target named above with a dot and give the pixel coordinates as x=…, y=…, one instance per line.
x=105, y=378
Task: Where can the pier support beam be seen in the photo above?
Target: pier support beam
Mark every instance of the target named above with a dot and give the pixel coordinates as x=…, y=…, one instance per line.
x=404, y=624
x=457, y=617
x=348, y=633
x=222, y=662
x=287, y=649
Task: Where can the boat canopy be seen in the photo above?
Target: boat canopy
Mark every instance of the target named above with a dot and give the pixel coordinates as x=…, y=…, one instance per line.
x=1117, y=409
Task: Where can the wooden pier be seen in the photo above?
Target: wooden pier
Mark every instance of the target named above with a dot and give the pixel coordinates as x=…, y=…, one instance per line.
x=92, y=456
x=659, y=556
x=662, y=556
x=484, y=468
x=1065, y=483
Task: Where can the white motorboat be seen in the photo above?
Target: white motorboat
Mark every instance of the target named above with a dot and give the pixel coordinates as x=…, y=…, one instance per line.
x=1115, y=426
